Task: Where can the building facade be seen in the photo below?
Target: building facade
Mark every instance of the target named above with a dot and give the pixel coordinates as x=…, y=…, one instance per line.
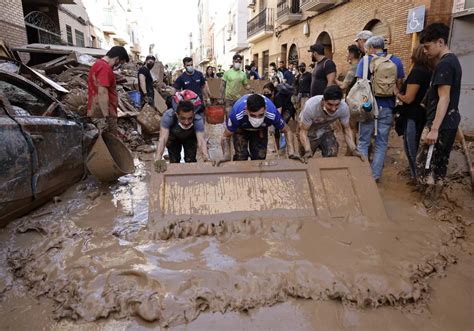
x=285, y=29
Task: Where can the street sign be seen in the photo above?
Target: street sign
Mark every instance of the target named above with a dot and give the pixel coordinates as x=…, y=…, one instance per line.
x=416, y=19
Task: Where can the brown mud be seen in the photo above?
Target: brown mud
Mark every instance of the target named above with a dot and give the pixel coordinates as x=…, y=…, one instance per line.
x=92, y=261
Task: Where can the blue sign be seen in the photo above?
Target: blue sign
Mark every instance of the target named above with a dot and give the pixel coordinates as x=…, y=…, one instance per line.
x=416, y=19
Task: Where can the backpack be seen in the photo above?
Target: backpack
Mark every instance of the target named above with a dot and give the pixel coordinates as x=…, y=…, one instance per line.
x=384, y=75
x=361, y=93
x=187, y=95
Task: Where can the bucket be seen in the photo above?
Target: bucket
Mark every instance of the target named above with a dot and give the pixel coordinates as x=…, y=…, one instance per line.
x=109, y=159
x=136, y=98
x=215, y=114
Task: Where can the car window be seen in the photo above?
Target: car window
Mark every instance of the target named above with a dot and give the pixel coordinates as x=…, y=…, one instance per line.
x=32, y=103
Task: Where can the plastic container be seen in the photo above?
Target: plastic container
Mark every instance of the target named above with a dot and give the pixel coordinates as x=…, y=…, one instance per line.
x=109, y=159
x=215, y=114
x=136, y=98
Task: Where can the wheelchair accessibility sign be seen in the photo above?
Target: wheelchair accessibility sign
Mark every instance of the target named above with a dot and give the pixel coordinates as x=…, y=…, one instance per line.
x=416, y=19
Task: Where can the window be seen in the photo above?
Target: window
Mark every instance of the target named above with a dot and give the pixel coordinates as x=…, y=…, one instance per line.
x=79, y=39
x=70, y=42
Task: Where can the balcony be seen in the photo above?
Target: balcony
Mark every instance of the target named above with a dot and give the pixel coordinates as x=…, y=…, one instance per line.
x=109, y=25
x=316, y=5
x=288, y=12
x=261, y=26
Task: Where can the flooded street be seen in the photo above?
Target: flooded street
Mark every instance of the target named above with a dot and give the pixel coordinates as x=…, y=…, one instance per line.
x=91, y=260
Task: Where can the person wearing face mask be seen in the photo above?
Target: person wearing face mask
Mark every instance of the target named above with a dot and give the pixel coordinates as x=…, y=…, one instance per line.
x=192, y=79
x=181, y=129
x=234, y=79
x=146, y=81
x=248, y=125
x=102, y=100
x=315, y=130
x=303, y=86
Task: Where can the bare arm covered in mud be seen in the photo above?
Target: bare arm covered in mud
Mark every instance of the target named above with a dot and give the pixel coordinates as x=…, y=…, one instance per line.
x=164, y=134
x=202, y=145
x=290, y=141
x=349, y=138
x=304, y=140
x=103, y=97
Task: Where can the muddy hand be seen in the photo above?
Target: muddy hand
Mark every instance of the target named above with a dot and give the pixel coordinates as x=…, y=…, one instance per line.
x=295, y=157
x=218, y=162
x=306, y=157
x=355, y=152
x=160, y=166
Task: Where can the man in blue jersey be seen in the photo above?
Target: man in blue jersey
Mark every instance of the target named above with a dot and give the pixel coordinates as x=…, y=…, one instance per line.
x=248, y=125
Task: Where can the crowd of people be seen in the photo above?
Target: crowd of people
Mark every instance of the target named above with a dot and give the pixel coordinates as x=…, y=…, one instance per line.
x=423, y=105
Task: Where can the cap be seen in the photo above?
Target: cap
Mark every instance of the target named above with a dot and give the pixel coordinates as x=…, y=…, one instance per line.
x=364, y=35
x=318, y=48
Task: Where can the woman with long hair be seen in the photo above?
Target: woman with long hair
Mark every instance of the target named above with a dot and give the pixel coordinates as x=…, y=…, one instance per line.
x=412, y=113
x=209, y=72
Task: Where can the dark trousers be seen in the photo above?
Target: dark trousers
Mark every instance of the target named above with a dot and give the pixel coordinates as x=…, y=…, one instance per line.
x=327, y=143
x=250, y=143
x=411, y=142
x=440, y=157
x=175, y=144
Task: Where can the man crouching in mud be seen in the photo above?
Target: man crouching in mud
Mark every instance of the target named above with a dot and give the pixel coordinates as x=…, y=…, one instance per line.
x=442, y=111
x=315, y=129
x=248, y=124
x=182, y=128
x=102, y=93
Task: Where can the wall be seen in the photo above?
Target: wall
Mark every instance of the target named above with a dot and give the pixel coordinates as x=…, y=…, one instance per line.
x=12, y=24
x=354, y=15
x=68, y=15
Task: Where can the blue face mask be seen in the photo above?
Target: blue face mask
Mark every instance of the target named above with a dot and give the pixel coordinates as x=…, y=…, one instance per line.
x=189, y=69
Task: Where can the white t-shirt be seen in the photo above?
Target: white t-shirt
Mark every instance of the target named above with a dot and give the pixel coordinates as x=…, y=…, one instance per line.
x=314, y=116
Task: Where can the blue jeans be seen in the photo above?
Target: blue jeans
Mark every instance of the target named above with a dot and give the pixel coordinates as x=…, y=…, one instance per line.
x=366, y=131
x=411, y=141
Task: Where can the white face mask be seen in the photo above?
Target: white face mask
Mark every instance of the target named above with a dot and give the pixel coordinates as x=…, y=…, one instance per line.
x=237, y=66
x=328, y=113
x=182, y=126
x=256, y=122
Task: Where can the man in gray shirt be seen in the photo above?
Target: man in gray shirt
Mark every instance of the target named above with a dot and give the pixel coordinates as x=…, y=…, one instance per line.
x=181, y=128
x=315, y=120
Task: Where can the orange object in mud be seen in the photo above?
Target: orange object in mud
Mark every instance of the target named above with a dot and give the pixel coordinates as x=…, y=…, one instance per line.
x=109, y=159
x=215, y=114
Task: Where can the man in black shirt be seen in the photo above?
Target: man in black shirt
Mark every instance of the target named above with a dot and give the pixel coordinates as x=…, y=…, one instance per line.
x=145, y=81
x=324, y=74
x=303, y=85
x=442, y=100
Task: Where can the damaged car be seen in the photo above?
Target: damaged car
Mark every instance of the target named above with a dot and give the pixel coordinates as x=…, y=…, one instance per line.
x=43, y=147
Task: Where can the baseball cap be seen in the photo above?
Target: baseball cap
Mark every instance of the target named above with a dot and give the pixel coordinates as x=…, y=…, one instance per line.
x=364, y=35
x=318, y=48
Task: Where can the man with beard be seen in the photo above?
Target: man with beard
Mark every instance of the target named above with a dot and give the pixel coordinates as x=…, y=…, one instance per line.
x=315, y=129
x=324, y=74
x=145, y=81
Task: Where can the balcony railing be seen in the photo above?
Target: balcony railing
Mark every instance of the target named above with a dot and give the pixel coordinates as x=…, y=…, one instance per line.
x=316, y=5
x=285, y=7
x=262, y=22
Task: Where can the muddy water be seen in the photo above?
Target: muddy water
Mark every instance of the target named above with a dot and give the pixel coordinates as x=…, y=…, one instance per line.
x=93, y=261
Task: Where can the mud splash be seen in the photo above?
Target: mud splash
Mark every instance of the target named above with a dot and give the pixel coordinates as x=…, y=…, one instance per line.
x=95, y=256
x=171, y=274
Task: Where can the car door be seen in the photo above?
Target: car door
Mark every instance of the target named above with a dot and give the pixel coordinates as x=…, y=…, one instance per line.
x=15, y=165
x=56, y=140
